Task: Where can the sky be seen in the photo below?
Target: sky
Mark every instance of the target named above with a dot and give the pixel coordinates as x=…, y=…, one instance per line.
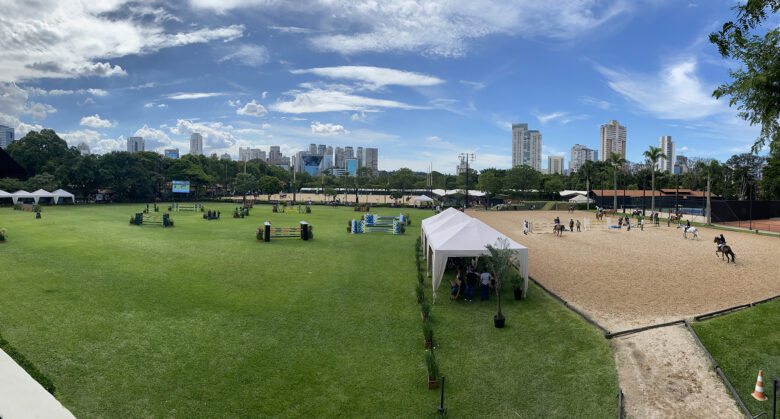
x=423, y=81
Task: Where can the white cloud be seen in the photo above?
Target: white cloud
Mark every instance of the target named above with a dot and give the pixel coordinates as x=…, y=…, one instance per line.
x=601, y=104
x=61, y=92
x=162, y=105
x=216, y=135
x=374, y=77
x=95, y=121
x=473, y=84
x=264, y=95
x=327, y=129
x=191, y=96
x=252, y=108
x=14, y=104
x=153, y=138
x=97, y=142
x=66, y=39
x=562, y=117
x=319, y=100
x=22, y=129
x=251, y=55
x=359, y=117
x=676, y=92
x=290, y=29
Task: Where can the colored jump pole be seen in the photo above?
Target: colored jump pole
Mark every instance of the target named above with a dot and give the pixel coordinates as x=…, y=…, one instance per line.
x=441, y=408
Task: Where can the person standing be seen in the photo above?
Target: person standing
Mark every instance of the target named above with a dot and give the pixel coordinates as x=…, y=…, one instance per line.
x=578, y=226
x=641, y=224
x=525, y=227
x=472, y=279
x=571, y=224
x=484, y=285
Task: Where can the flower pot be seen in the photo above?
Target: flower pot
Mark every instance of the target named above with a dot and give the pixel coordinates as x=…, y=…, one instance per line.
x=427, y=344
x=432, y=383
x=518, y=293
x=499, y=321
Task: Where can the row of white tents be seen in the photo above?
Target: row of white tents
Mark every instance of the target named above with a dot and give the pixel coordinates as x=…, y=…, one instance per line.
x=452, y=233
x=56, y=197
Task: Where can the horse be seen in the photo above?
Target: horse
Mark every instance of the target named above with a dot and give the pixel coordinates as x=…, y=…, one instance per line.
x=558, y=229
x=599, y=216
x=691, y=230
x=724, y=250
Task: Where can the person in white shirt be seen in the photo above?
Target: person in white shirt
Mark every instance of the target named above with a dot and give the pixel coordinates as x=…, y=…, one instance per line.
x=484, y=285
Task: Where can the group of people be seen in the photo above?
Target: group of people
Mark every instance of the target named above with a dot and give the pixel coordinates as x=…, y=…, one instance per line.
x=467, y=280
x=572, y=223
x=211, y=215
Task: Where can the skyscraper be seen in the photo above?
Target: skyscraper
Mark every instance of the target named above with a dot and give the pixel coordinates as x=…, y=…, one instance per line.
x=196, y=144
x=555, y=165
x=360, y=157
x=371, y=160
x=171, y=153
x=526, y=147
x=135, y=144
x=83, y=148
x=681, y=165
x=321, y=149
x=338, y=158
x=247, y=154
x=6, y=136
x=349, y=152
x=579, y=155
x=613, y=140
x=666, y=164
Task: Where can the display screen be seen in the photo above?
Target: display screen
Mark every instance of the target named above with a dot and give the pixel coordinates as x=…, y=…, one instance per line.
x=181, y=186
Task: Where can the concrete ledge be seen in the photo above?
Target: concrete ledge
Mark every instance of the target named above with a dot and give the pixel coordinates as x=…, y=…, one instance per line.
x=22, y=397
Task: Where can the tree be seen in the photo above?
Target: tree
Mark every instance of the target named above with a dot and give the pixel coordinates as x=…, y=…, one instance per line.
x=500, y=264
x=745, y=168
x=754, y=89
x=652, y=154
x=770, y=184
x=402, y=179
x=244, y=183
x=709, y=168
x=43, y=181
x=491, y=181
x=522, y=178
x=40, y=151
x=615, y=161
x=270, y=185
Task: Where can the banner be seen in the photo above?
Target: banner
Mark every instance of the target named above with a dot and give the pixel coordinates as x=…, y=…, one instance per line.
x=181, y=186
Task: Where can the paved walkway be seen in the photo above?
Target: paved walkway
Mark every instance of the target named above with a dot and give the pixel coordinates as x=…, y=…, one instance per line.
x=21, y=397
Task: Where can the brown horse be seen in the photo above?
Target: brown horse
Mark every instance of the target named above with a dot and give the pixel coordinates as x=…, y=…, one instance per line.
x=724, y=251
x=558, y=229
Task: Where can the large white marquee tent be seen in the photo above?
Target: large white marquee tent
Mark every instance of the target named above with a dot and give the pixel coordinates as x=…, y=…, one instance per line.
x=60, y=195
x=455, y=234
x=57, y=196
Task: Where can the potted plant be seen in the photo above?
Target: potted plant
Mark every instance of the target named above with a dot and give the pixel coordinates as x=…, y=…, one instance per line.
x=427, y=329
x=517, y=284
x=3, y=234
x=420, y=293
x=433, y=369
x=425, y=308
x=500, y=264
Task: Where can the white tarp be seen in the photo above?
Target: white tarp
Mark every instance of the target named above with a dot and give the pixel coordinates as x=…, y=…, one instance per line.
x=442, y=192
x=469, y=238
x=40, y=193
x=4, y=194
x=568, y=193
x=580, y=199
x=421, y=199
x=61, y=193
x=432, y=223
x=21, y=194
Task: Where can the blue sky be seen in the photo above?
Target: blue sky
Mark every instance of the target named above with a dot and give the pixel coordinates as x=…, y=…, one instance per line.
x=421, y=80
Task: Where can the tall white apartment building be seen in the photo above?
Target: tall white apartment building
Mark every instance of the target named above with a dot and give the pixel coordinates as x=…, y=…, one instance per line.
x=196, y=144
x=613, y=140
x=371, y=160
x=579, y=155
x=6, y=136
x=526, y=147
x=666, y=164
x=135, y=144
x=247, y=154
x=555, y=165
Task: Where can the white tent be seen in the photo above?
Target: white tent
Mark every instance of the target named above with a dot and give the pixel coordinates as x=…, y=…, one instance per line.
x=442, y=192
x=421, y=199
x=580, y=199
x=40, y=193
x=63, y=194
x=4, y=194
x=469, y=238
x=21, y=194
x=431, y=224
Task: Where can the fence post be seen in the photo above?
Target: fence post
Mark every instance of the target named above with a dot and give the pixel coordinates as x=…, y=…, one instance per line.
x=304, y=230
x=267, y=235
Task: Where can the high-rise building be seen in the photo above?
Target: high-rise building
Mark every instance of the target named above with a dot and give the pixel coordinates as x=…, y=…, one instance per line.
x=350, y=166
x=338, y=158
x=196, y=144
x=321, y=149
x=135, y=144
x=349, y=152
x=83, y=148
x=312, y=148
x=360, y=157
x=579, y=155
x=247, y=154
x=276, y=158
x=613, y=140
x=555, y=165
x=171, y=153
x=6, y=136
x=371, y=160
x=526, y=147
x=681, y=165
x=666, y=164
x=225, y=156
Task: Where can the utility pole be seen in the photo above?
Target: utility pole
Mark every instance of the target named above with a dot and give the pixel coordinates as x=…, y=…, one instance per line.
x=467, y=157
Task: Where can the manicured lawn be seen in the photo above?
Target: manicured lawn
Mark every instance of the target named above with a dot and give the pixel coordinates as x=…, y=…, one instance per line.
x=202, y=320
x=743, y=343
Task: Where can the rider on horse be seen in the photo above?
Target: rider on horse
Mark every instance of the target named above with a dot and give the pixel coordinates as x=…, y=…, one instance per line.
x=721, y=242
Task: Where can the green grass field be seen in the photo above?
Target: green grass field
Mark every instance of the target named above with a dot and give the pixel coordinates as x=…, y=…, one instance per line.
x=202, y=320
x=743, y=343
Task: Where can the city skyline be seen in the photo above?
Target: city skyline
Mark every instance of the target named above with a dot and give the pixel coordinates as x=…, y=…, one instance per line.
x=400, y=79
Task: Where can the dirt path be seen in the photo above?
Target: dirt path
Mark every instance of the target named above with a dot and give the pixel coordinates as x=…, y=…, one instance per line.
x=631, y=279
x=664, y=374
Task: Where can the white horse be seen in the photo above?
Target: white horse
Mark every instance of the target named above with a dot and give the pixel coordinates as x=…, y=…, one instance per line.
x=691, y=230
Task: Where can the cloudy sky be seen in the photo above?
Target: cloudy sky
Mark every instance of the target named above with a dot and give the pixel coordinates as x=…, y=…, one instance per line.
x=422, y=80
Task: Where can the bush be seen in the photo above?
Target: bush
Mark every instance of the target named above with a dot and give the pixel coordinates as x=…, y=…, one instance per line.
x=431, y=365
x=3, y=234
x=28, y=366
x=18, y=206
x=36, y=208
x=427, y=329
x=259, y=234
x=420, y=277
x=425, y=307
x=420, y=291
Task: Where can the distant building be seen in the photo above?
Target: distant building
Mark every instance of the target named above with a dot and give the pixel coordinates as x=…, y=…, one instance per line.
x=579, y=155
x=276, y=158
x=359, y=155
x=349, y=152
x=247, y=154
x=555, y=165
x=612, y=140
x=135, y=144
x=196, y=144
x=681, y=165
x=371, y=160
x=351, y=166
x=225, y=156
x=83, y=148
x=460, y=168
x=6, y=136
x=666, y=164
x=321, y=149
x=171, y=153
x=338, y=158
x=526, y=147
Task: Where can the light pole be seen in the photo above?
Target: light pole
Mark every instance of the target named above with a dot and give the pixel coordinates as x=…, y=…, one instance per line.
x=467, y=157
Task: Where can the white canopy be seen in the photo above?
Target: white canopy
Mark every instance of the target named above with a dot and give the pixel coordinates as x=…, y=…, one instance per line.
x=21, y=194
x=572, y=193
x=442, y=192
x=4, y=194
x=580, y=199
x=469, y=238
x=421, y=199
x=61, y=193
x=433, y=223
x=40, y=193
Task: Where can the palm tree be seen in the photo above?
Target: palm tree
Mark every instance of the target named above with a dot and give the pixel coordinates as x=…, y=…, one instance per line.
x=652, y=154
x=710, y=169
x=615, y=160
